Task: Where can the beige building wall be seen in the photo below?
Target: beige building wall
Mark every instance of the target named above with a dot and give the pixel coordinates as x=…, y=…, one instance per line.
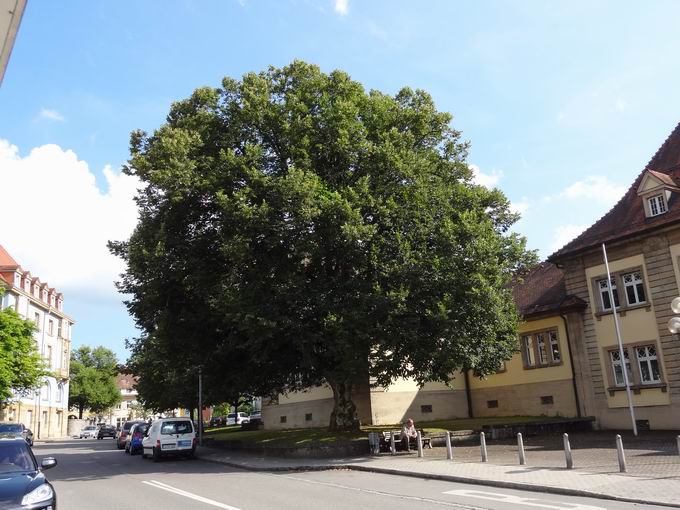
x=518, y=390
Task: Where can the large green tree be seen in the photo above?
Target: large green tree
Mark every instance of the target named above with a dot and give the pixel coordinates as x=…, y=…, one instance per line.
x=21, y=366
x=93, y=380
x=296, y=229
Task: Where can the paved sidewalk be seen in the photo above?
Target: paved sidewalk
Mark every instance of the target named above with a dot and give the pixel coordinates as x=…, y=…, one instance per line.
x=645, y=489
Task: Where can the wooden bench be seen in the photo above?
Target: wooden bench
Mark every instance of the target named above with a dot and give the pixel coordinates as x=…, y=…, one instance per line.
x=386, y=440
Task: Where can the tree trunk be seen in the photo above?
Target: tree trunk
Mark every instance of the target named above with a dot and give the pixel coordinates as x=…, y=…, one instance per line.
x=80, y=412
x=344, y=416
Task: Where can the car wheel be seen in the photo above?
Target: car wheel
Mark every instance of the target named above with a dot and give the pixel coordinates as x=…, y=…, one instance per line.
x=156, y=455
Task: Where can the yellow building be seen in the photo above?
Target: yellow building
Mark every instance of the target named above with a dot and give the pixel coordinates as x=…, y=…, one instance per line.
x=568, y=362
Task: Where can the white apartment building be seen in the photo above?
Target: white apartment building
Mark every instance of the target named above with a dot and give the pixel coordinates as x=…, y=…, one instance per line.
x=45, y=412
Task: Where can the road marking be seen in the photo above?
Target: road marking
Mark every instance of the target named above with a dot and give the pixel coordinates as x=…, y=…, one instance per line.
x=518, y=500
x=180, y=492
x=378, y=493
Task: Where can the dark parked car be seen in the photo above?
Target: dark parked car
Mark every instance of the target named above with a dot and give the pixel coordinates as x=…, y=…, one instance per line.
x=124, y=431
x=18, y=430
x=23, y=483
x=106, y=431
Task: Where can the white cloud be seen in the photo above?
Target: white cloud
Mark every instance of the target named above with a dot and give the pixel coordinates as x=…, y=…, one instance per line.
x=520, y=207
x=487, y=180
x=48, y=114
x=620, y=105
x=342, y=7
x=564, y=234
x=596, y=188
x=57, y=221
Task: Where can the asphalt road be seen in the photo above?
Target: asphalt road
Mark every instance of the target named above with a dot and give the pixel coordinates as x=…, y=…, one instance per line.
x=94, y=475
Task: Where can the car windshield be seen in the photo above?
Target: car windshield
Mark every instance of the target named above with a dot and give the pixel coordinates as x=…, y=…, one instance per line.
x=231, y=416
x=176, y=427
x=142, y=428
x=128, y=426
x=15, y=458
x=10, y=427
x=90, y=428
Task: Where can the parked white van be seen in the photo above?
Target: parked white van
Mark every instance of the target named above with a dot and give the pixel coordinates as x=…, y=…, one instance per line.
x=169, y=436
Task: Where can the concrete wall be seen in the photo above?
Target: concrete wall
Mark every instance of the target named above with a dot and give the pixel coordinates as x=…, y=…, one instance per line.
x=525, y=400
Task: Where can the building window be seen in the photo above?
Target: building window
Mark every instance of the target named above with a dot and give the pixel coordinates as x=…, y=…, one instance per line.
x=541, y=349
x=617, y=368
x=528, y=350
x=492, y=404
x=308, y=417
x=604, y=294
x=648, y=364
x=547, y=400
x=36, y=319
x=657, y=205
x=45, y=391
x=283, y=419
x=426, y=408
x=635, y=290
x=45, y=418
x=50, y=327
x=60, y=393
x=49, y=355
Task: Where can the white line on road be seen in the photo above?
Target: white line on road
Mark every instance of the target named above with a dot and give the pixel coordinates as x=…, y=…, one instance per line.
x=379, y=493
x=517, y=500
x=180, y=492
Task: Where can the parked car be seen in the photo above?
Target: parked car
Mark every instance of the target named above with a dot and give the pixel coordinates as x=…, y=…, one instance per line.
x=133, y=442
x=124, y=431
x=169, y=436
x=237, y=418
x=90, y=431
x=23, y=483
x=217, y=421
x=106, y=431
x=18, y=430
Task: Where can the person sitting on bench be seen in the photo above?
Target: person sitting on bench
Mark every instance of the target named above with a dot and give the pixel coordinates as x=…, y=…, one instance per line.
x=408, y=434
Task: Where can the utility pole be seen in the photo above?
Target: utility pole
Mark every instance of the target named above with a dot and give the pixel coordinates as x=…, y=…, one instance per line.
x=624, y=366
x=200, y=405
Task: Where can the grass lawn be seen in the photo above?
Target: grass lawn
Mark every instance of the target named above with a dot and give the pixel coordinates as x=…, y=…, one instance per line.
x=321, y=436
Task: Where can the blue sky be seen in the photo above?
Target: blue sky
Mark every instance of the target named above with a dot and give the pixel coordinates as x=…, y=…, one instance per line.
x=563, y=102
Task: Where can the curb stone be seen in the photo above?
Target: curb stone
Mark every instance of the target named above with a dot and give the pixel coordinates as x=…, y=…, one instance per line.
x=443, y=478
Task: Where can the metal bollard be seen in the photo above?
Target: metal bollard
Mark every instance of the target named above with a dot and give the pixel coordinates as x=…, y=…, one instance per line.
x=621, y=454
x=393, y=446
x=482, y=444
x=520, y=449
x=449, y=448
x=677, y=439
x=420, y=445
x=567, y=452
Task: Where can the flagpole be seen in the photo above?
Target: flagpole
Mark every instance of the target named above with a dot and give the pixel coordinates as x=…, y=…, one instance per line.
x=624, y=368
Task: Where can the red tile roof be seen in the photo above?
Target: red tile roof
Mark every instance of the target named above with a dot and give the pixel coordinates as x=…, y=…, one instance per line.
x=542, y=291
x=6, y=260
x=627, y=217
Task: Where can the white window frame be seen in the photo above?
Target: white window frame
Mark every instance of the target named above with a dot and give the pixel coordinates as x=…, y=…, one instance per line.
x=636, y=282
x=541, y=349
x=657, y=205
x=603, y=290
x=554, y=344
x=647, y=359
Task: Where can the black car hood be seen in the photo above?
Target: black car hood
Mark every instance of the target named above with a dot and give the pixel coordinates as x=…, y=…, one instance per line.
x=14, y=486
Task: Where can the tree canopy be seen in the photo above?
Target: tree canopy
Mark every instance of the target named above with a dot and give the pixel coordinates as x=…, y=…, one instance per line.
x=21, y=366
x=296, y=229
x=93, y=380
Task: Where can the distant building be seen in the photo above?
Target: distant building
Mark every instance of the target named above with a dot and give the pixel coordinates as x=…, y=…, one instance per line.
x=44, y=412
x=127, y=409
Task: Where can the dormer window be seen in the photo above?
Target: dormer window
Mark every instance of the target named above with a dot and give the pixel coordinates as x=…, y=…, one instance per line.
x=657, y=205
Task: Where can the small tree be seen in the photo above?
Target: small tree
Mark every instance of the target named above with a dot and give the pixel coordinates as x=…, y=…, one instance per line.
x=21, y=366
x=93, y=380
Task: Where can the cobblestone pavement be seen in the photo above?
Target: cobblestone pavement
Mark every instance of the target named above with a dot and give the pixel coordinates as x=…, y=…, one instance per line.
x=652, y=454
